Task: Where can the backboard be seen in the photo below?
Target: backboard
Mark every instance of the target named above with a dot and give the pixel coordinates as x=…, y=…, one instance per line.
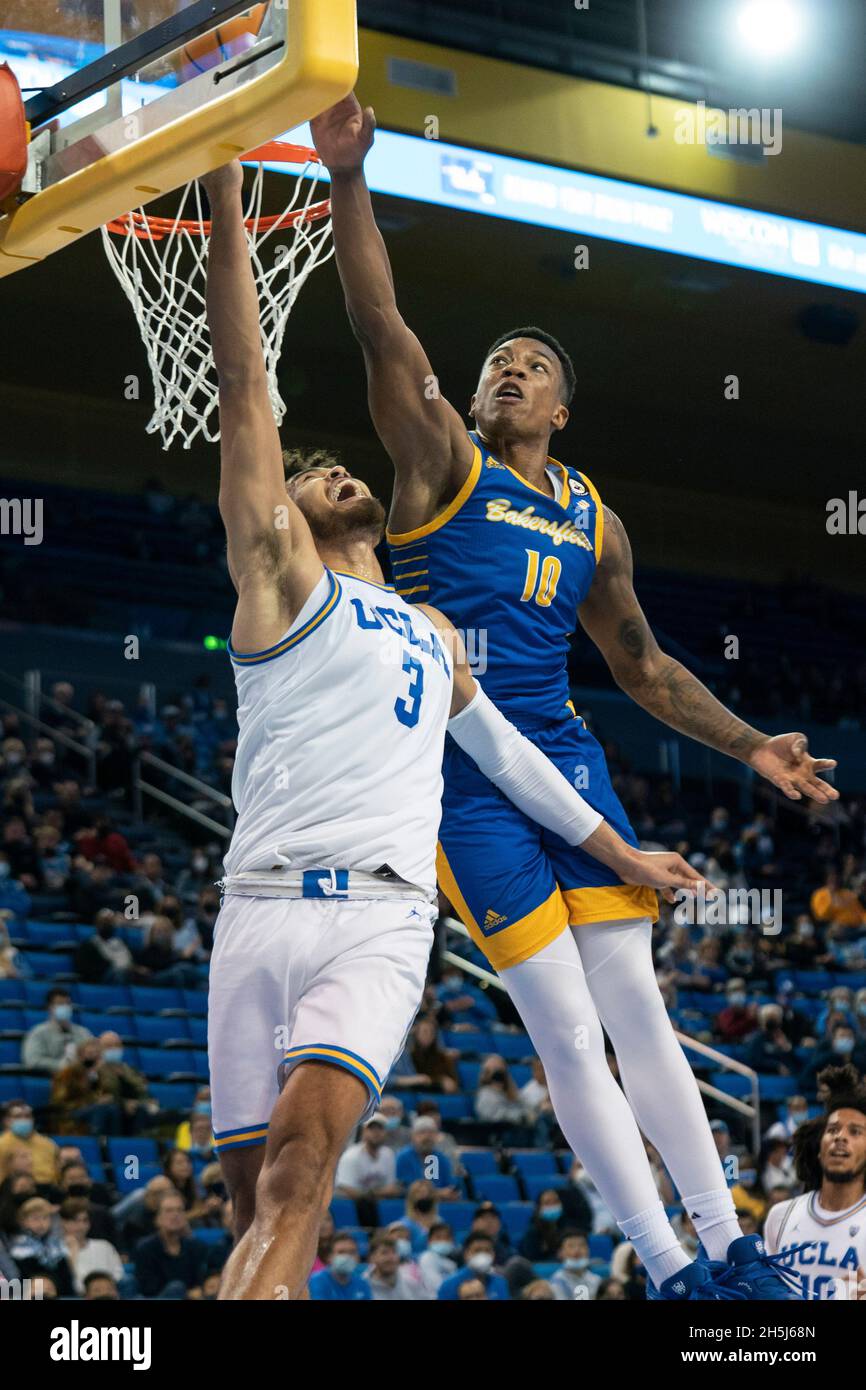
x=129, y=99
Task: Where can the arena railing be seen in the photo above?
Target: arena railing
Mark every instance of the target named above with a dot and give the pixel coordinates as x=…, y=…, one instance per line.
x=142, y=788
x=750, y=1110
x=83, y=751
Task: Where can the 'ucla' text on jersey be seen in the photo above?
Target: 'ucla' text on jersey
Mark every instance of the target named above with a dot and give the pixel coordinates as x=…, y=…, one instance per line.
x=512, y=563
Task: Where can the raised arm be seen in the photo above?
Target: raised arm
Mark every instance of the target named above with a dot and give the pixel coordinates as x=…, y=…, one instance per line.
x=271, y=555
x=424, y=436
x=613, y=618
x=537, y=787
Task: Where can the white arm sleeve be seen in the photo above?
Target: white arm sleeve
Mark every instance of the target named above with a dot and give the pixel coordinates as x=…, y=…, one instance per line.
x=521, y=771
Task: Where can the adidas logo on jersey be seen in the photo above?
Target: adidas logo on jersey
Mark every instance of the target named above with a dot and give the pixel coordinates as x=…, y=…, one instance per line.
x=493, y=919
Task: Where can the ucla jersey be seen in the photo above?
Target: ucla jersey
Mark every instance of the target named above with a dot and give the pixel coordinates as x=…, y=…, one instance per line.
x=341, y=730
x=509, y=565
x=826, y=1249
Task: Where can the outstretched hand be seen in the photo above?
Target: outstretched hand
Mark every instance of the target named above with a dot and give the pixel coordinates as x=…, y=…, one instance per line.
x=786, y=762
x=343, y=134
x=667, y=871
x=229, y=178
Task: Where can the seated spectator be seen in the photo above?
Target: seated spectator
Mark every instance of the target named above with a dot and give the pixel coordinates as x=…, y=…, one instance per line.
x=209, y=1213
x=424, y=1159
x=802, y=948
x=463, y=1005
x=86, y=1255
x=837, y=904
x=739, y=1019
x=201, y=1139
x=55, y=861
x=472, y=1291
x=211, y=1284
x=422, y=1212
x=397, y=1132
x=436, y=1262
x=15, y=900
x=839, y=1006
x=610, y=1291
x=19, y=1132
x=13, y=963
x=794, y=1114
x=842, y=1046
x=80, y=1100
x=136, y=1214
x=51, y=1045
x=626, y=1268
x=747, y=1192
x=161, y=963
x=387, y=1279
x=535, y=1098
x=199, y=874
x=537, y=1291
x=38, y=1249
x=198, y=927
x=583, y=1203
x=340, y=1280
x=488, y=1220
x=478, y=1259
x=150, y=884
x=170, y=1263
x=574, y=1278
x=103, y=842
x=445, y=1141
x=15, y=1190
x=769, y=1050
x=404, y=1077
x=103, y=958
x=201, y=1105
x=21, y=853
x=368, y=1168
x=430, y=1059
x=128, y=1087
x=178, y=1168
x=546, y=1230
x=100, y=1288
x=776, y=1165
x=860, y=1012
x=75, y=1181
x=497, y=1099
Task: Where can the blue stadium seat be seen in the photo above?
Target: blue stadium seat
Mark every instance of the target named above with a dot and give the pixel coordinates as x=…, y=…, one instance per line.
x=479, y=1162
x=514, y=1047
x=36, y=1090
x=195, y=1002
x=496, y=1187
x=119, y=1149
x=11, y=1087
x=104, y=997
x=50, y=964
x=777, y=1087
x=343, y=1212
x=156, y=1061
x=813, y=981
x=173, y=1095
x=145, y=1172
x=534, y=1163
x=12, y=1021
x=88, y=1144
x=12, y=991
x=540, y=1182
x=455, y=1107
x=516, y=1217
x=731, y=1083
x=35, y=992
x=153, y=1000
x=33, y=1017
x=49, y=934
x=211, y=1236
x=458, y=1215
x=390, y=1209
x=197, y=1028
x=10, y=1052
x=854, y=979
x=545, y=1268
x=362, y=1240
x=158, y=1030
x=105, y=1023
x=520, y=1073
x=600, y=1247
x=200, y=1066
x=469, y=1073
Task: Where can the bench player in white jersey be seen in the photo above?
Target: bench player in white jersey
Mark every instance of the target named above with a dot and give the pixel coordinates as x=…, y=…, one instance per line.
x=344, y=689
x=822, y=1233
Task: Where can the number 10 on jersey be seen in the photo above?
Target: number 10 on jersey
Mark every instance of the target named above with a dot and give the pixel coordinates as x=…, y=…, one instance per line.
x=541, y=588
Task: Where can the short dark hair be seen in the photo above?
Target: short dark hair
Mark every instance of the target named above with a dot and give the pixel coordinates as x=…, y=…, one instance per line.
x=100, y=1274
x=343, y=1235
x=846, y=1092
x=57, y=993
x=569, y=379
x=300, y=460
x=475, y=1237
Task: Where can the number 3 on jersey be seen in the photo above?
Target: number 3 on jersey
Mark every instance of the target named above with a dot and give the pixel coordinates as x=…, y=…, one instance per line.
x=408, y=710
x=543, y=590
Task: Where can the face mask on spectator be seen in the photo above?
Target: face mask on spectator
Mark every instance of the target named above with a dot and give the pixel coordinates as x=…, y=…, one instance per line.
x=344, y=1264
x=199, y=863
x=392, y=1122
x=441, y=1247
x=843, y=1046
x=481, y=1261
x=576, y=1262
x=861, y=1008
x=748, y=1177
x=424, y=1204
x=550, y=1213
x=22, y=1129
x=113, y=1054
x=797, y=1117
x=201, y=1107
x=807, y=931
x=404, y=1247
x=62, y=1012
x=737, y=999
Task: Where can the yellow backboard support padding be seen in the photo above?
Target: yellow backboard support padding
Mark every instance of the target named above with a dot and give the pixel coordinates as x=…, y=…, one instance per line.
x=320, y=67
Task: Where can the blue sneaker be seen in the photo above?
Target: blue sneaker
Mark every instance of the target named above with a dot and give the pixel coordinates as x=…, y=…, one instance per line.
x=754, y=1274
x=693, y=1284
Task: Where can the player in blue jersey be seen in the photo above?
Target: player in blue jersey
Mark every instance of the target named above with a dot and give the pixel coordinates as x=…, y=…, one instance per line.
x=517, y=547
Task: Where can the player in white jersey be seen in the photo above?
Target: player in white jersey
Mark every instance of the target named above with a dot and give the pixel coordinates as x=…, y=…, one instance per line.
x=822, y=1234
x=344, y=690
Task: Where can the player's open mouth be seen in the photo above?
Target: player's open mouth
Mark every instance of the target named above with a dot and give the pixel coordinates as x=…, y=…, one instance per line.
x=509, y=393
x=346, y=490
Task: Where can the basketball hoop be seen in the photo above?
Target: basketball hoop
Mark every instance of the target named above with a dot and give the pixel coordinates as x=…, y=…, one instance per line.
x=161, y=263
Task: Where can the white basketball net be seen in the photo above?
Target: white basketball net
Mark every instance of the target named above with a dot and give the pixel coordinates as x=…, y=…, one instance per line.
x=161, y=264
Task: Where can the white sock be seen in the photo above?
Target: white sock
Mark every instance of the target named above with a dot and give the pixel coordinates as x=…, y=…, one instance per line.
x=714, y=1217
x=652, y=1236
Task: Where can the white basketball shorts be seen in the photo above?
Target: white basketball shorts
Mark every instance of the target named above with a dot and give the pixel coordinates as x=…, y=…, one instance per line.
x=298, y=979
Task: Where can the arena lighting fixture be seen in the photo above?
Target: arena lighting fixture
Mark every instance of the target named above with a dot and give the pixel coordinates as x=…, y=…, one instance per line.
x=770, y=28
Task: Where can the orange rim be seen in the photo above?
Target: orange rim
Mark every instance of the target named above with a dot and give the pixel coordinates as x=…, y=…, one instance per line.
x=147, y=227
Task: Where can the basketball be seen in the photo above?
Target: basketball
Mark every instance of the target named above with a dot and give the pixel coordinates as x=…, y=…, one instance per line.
x=229, y=40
